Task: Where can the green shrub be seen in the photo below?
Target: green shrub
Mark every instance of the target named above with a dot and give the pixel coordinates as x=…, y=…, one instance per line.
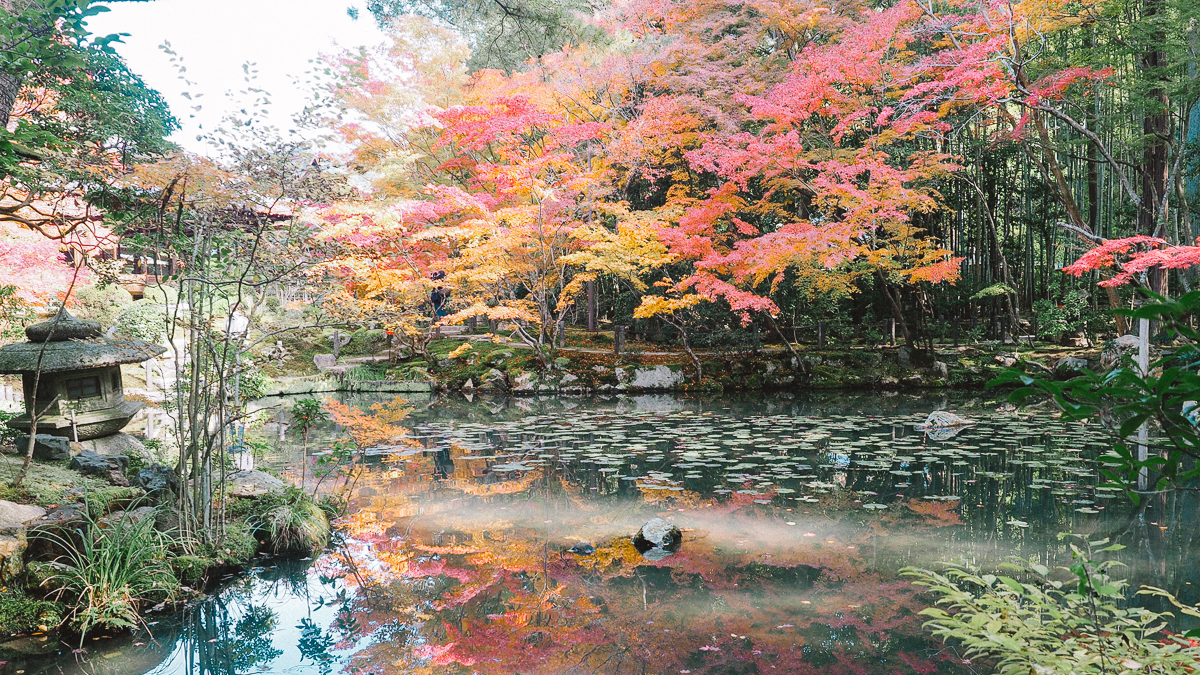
x=366, y=342
x=334, y=506
x=15, y=314
x=143, y=320
x=236, y=548
x=20, y=613
x=160, y=295
x=253, y=382
x=112, y=572
x=102, y=303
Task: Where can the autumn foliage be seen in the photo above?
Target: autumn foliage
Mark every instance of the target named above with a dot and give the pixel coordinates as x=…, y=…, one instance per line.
x=727, y=151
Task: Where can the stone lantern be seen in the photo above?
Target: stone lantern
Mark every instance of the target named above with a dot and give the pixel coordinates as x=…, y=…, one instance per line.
x=80, y=383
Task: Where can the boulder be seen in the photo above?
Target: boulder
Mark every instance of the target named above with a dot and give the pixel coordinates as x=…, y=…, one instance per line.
x=252, y=484
x=1126, y=342
x=131, y=517
x=941, y=370
x=468, y=385
x=1070, y=363
x=117, y=444
x=658, y=534
x=1007, y=360
x=91, y=464
x=659, y=377
x=47, y=534
x=494, y=379
x=13, y=516
x=47, y=448
x=324, y=362
x=159, y=482
x=525, y=382
x=582, y=548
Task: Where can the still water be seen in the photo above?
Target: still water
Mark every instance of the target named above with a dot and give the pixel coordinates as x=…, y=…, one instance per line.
x=797, y=515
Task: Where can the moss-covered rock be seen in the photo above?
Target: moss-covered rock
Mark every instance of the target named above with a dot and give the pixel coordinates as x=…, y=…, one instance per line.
x=235, y=550
x=192, y=570
x=22, y=613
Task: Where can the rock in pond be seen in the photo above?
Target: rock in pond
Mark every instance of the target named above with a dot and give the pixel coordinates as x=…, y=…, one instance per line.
x=582, y=548
x=657, y=538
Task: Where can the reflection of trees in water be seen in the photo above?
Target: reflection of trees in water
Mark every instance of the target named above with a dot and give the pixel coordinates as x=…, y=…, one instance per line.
x=229, y=633
x=219, y=637
x=315, y=644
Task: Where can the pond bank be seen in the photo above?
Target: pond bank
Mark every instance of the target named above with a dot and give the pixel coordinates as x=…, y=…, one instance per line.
x=68, y=538
x=484, y=366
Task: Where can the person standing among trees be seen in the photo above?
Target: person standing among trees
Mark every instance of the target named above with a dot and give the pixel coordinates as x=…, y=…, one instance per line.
x=438, y=298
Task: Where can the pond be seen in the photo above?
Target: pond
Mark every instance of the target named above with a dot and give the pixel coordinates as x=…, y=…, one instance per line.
x=497, y=540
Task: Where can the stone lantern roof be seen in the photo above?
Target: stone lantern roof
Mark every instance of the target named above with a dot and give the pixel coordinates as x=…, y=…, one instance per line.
x=66, y=343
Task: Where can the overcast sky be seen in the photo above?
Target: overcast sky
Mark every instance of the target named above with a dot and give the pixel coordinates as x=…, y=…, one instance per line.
x=215, y=37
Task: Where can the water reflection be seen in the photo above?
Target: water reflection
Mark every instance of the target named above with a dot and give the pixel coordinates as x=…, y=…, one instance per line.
x=462, y=552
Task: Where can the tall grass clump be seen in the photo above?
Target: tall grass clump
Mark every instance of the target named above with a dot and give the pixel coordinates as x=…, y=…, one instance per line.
x=110, y=571
x=292, y=523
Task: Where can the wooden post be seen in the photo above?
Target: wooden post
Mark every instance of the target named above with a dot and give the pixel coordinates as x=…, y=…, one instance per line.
x=893, y=332
x=337, y=344
x=618, y=338
x=472, y=323
x=820, y=333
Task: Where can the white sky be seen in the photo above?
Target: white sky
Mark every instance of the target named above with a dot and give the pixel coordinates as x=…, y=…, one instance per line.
x=215, y=37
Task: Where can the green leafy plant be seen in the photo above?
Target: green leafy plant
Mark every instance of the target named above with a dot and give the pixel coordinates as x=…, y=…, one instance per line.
x=111, y=571
x=307, y=413
x=15, y=313
x=998, y=290
x=1054, y=319
x=1032, y=623
x=1123, y=400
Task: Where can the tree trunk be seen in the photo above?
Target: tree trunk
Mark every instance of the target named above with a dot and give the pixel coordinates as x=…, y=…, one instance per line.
x=1156, y=129
x=10, y=86
x=897, y=310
